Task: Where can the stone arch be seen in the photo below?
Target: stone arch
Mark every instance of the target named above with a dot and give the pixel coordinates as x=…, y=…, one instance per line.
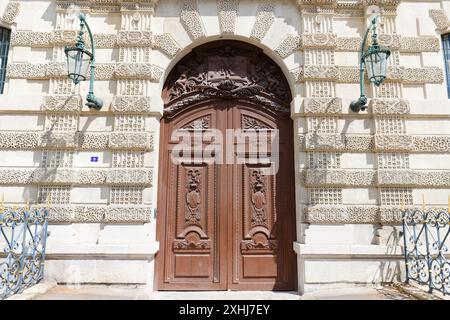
x=269, y=85
x=287, y=42
x=269, y=52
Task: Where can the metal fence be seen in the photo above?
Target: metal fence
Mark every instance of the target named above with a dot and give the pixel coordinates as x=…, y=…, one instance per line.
x=426, y=238
x=23, y=236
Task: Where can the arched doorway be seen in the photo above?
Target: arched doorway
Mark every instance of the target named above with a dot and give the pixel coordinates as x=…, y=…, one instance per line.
x=226, y=175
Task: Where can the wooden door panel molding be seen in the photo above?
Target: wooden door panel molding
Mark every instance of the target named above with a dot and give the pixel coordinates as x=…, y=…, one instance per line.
x=226, y=225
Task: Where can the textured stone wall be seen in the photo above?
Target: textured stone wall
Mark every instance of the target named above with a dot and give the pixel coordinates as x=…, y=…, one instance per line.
x=354, y=171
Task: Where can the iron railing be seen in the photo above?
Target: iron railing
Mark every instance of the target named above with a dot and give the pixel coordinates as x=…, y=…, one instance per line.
x=23, y=237
x=426, y=238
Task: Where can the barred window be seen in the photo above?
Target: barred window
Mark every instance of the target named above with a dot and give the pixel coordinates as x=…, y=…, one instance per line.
x=5, y=35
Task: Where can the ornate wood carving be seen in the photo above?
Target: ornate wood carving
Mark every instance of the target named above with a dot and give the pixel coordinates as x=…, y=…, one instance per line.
x=193, y=197
x=199, y=124
x=227, y=70
x=252, y=123
x=258, y=199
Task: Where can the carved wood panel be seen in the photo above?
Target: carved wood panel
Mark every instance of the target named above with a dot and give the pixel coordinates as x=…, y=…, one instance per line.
x=226, y=225
x=227, y=70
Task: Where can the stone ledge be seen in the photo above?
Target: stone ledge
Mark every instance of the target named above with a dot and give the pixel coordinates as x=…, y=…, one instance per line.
x=141, y=251
x=100, y=176
x=292, y=43
x=345, y=74
x=352, y=214
x=38, y=289
x=312, y=141
x=103, y=71
x=75, y=140
x=124, y=214
x=376, y=178
x=38, y=39
x=347, y=251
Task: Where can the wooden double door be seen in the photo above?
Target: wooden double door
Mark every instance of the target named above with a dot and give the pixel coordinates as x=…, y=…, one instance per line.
x=224, y=221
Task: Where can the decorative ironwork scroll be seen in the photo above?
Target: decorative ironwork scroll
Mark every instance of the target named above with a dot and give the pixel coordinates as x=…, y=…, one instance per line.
x=426, y=238
x=23, y=237
x=227, y=70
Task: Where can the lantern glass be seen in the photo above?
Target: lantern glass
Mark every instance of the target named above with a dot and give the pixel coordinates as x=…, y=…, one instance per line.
x=376, y=64
x=78, y=62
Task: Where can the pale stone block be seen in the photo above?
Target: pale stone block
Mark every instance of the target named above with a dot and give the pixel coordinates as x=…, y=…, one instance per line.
x=301, y=194
x=413, y=91
x=106, y=55
x=34, y=87
x=366, y=271
x=433, y=59
x=363, y=234
x=173, y=26
x=150, y=159
x=348, y=27
x=301, y=125
x=323, y=234
x=428, y=126
x=20, y=158
x=91, y=195
x=432, y=197
x=19, y=122
x=99, y=271
x=302, y=160
x=20, y=54
x=95, y=123
x=411, y=59
x=429, y=161
x=126, y=234
x=107, y=23
x=422, y=106
x=358, y=161
x=435, y=90
x=18, y=195
x=20, y=102
x=103, y=89
x=208, y=12
x=360, y=196
x=76, y=233
x=84, y=159
x=350, y=92
x=293, y=61
x=160, y=59
x=246, y=18
x=356, y=126
x=349, y=59
x=277, y=32
x=147, y=195
x=41, y=55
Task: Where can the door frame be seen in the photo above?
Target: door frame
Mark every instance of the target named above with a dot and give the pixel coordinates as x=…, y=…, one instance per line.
x=162, y=182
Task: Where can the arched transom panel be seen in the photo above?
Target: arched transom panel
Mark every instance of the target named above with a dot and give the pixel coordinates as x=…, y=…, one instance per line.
x=227, y=70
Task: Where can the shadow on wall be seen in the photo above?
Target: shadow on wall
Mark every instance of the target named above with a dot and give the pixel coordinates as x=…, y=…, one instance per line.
x=51, y=171
x=390, y=269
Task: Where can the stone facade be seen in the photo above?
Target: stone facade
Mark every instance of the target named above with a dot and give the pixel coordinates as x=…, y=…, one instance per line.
x=355, y=171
